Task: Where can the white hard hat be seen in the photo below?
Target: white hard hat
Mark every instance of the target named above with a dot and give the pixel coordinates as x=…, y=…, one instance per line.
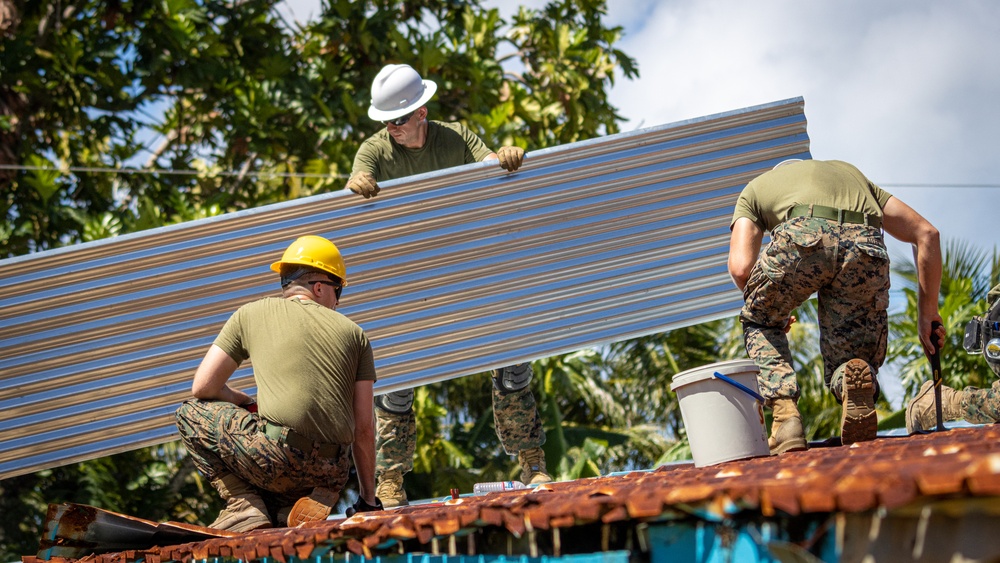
x=787, y=161
x=397, y=90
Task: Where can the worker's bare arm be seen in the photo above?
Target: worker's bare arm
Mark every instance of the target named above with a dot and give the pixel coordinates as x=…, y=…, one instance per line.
x=905, y=224
x=744, y=246
x=211, y=376
x=364, y=439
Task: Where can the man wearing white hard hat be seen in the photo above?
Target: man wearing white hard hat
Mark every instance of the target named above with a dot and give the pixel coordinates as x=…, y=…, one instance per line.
x=410, y=144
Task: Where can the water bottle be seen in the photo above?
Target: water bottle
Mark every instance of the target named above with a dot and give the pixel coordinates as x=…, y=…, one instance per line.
x=497, y=486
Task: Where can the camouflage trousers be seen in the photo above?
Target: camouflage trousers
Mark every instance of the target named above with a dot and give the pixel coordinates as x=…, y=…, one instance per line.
x=847, y=265
x=982, y=406
x=225, y=439
x=518, y=425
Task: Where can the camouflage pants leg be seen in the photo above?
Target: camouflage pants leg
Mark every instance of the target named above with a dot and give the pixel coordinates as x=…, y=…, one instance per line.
x=223, y=438
x=768, y=348
x=395, y=441
x=853, y=322
x=518, y=423
x=982, y=406
x=847, y=265
x=777, y=286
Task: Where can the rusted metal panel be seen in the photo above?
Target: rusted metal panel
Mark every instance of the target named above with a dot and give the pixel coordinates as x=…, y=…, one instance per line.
x=800, y=496
x=74, y=530
x=451, y=273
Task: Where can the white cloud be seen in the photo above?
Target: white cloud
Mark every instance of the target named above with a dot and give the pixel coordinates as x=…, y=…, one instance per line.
x=905, y=89
x=300, y=11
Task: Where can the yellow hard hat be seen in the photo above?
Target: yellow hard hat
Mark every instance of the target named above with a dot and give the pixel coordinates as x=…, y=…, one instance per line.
x=315, y=252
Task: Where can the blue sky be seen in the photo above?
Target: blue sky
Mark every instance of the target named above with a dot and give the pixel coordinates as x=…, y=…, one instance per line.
x=907, y=90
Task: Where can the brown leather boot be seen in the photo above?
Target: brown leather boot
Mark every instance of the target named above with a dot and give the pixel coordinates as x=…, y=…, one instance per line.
x=858, y=420
x=244, y=511
x=921, y=413
x=787, y=434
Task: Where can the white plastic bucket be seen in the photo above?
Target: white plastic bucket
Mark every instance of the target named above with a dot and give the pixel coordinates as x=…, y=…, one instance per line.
x=724, y=416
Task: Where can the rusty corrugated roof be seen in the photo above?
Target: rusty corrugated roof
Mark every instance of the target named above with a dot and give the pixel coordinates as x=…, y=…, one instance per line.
x=887, y=473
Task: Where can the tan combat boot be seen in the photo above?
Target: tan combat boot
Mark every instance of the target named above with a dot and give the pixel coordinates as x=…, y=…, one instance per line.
x=390, y=489
x=858, y=420
x=314, y=507
x=244, y=511
x=921, y=413
x=533, y=467
x=787, y=434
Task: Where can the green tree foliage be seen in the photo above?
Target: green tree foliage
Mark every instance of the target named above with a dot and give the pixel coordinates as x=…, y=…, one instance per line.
x=257, y=110
x=968, y=274
x=261, y=110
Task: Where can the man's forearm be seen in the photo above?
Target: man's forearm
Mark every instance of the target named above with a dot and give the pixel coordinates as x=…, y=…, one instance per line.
x=927, y=259
x=744, y=247
x=928, y=263
x=364, y=462
x=905, y=224
x=739, y=281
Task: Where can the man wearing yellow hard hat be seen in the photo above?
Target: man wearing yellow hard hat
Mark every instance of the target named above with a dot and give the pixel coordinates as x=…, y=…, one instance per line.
x=284, y=459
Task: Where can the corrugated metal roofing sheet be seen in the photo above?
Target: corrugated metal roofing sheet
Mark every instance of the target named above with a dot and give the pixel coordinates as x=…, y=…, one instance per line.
x=451, y=273
x=888, y=478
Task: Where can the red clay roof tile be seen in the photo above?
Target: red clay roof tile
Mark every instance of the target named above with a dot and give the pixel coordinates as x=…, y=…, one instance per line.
x=887, y=472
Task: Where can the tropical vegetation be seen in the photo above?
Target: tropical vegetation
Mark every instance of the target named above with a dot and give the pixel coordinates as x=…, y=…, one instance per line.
x=225, y=105
x=122, y=115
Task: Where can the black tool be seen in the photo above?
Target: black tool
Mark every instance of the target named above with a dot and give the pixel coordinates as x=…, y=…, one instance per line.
x=935, y=359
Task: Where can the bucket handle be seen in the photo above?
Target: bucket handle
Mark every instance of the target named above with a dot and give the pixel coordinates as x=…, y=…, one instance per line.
x=740, y=386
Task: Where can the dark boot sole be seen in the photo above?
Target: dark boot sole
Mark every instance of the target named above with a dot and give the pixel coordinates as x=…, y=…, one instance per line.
x=858, y=421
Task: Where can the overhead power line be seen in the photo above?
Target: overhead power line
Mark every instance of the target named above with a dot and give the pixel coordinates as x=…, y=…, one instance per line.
x=905, y=185
x=167, y=171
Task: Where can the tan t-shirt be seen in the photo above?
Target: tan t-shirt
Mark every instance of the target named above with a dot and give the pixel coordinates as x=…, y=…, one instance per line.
x=767, y=199
x=447, y=145
x=306, y=360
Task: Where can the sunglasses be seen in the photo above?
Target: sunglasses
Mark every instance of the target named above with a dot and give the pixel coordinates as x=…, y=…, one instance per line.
x=400, y=121
x=337, y=288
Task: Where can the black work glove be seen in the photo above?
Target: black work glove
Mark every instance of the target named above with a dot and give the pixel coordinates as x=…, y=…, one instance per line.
x=362, y=506
x=363, y=184
x=510, y=157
